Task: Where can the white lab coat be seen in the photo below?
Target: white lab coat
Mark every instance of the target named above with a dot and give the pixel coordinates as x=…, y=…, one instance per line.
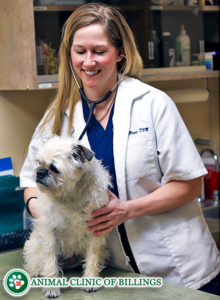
x=151, y=147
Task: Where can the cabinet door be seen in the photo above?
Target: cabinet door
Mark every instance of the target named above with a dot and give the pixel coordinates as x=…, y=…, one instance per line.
x=17, y=46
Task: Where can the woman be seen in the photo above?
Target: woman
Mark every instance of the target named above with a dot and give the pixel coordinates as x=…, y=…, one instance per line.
x=155, y=226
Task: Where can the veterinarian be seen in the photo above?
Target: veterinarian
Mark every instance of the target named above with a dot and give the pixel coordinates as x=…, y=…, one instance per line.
x=154, y=223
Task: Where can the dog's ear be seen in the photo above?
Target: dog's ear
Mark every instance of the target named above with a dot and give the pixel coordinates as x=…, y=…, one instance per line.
x=82, y=153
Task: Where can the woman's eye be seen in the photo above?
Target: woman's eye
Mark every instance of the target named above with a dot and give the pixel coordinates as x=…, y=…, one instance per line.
x=100, y=52
x=80, y=52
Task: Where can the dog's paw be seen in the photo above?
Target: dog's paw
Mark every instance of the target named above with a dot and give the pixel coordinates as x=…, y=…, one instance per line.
x=91, y=289
x=51, y=292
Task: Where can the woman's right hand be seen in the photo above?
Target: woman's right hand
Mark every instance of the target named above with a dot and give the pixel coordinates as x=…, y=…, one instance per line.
x=33, y=203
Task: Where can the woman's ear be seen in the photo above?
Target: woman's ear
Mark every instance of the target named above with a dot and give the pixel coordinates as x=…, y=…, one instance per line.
x=121, y=55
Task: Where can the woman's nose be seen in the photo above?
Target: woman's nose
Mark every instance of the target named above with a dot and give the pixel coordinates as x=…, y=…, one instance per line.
x=89, y=60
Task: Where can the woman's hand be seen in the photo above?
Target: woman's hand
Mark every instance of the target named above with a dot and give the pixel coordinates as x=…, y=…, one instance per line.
x=109, y=216
x=166, y=198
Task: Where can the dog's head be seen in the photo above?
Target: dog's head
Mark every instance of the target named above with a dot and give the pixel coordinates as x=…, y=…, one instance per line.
x=61, y=163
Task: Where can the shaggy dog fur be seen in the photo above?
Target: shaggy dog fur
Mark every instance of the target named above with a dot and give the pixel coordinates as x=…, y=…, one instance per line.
x=71, y=184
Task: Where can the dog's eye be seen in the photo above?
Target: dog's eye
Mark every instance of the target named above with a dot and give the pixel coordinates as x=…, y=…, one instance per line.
x=54, y=169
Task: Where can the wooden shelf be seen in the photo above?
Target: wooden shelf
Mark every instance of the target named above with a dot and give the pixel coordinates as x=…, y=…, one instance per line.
x=179, y=76
x=47, y=81
x=149, y=75
x=207, y=8
x=73, y=7
x=181, y=8
x=55, y=8
x=171, y=8
x=178, y=73
x=210, y=8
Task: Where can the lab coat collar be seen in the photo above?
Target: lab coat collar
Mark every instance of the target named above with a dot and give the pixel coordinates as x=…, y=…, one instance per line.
x=78, y=123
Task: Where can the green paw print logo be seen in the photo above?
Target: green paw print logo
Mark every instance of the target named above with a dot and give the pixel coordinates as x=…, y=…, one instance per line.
x=17, y=282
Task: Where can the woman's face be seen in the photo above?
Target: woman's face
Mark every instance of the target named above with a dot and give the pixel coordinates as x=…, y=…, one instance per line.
x=94, y=59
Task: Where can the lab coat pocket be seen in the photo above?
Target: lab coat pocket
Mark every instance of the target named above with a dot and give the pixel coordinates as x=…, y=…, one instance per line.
x=140, y=160
x=182, y=240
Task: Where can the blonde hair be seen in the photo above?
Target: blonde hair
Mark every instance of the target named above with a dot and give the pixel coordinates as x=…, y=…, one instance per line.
x=120, y=36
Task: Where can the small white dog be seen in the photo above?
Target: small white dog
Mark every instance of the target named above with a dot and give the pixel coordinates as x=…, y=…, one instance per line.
x=71, y=184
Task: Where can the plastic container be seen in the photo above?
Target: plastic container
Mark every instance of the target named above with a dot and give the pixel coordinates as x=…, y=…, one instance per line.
x=208, y=59
x=183, y=48
x=168, y=51
x=212, y=179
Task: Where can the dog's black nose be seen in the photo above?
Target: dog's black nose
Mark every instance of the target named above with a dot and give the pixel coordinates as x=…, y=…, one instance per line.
x=41, y=173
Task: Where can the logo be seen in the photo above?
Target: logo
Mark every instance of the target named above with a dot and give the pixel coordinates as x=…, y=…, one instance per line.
x=17, y=282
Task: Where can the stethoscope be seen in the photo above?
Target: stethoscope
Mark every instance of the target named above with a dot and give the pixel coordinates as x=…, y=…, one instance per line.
x=91, y=102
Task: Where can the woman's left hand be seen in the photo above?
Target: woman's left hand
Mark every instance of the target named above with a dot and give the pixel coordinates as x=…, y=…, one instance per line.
x=109, y=216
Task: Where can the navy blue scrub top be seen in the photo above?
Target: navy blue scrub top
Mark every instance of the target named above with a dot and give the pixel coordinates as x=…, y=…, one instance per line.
x=101, y=142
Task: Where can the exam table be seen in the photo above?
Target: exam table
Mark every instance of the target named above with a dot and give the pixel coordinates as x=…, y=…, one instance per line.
x=13, y=259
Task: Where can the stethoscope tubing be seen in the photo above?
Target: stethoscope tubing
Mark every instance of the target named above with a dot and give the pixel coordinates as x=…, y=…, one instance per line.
x=92, y=107
x=91, y=102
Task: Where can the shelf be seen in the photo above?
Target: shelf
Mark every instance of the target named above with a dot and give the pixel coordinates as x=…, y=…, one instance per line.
x=55, y=8
x=47, y=81
x=182, y=8
x=149, y=75
x=178, y=73
x=73, y=7
x=207, y=8
x=172, y=8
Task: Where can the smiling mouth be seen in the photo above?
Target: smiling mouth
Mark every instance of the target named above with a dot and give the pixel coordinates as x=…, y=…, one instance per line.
x=91, y=73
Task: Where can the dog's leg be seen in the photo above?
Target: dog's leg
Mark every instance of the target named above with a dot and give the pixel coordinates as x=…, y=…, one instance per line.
x=33, y=254
x=94, y=259
x=40, y=256
x=50, y=268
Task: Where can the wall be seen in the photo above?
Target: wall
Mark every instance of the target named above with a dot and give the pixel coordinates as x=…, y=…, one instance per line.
x=202, y=118
x=20, y=112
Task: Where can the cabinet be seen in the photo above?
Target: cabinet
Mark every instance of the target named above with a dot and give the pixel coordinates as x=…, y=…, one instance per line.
x=24, y=26
x=200, y=23
x=17, y=48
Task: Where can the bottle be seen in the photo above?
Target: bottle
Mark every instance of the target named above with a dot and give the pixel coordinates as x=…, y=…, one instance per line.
x=39, y=56
x=183, y=48
x=153, y=51
x=168, y=51
x=151, y=54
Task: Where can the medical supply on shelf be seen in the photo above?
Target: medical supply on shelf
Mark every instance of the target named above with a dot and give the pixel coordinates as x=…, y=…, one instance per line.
x=183, y=48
